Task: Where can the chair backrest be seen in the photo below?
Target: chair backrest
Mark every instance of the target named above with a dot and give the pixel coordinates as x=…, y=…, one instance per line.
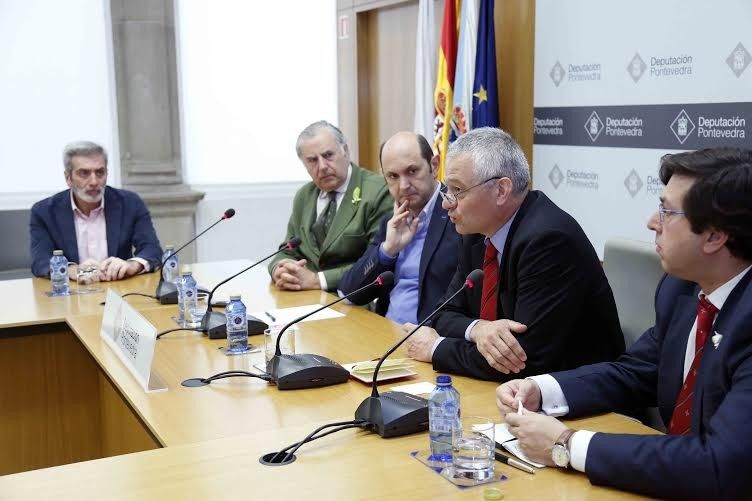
x=15, y=257
x=633, y=270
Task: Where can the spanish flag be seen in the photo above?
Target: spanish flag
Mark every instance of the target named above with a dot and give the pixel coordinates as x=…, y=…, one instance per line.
x=442, y=96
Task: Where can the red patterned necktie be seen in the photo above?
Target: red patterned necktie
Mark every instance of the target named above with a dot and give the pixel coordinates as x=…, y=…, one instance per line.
x=681, y=420
x=488, y=309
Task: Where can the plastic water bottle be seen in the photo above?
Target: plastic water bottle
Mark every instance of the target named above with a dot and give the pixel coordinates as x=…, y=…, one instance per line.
x=187, y=297
x=443, y=418
x=237, y=325
x=59, y=274
x=170, y=272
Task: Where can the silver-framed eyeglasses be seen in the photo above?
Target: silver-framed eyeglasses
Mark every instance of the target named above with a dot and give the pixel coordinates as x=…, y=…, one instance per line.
x=662, y=212
x=453, y=198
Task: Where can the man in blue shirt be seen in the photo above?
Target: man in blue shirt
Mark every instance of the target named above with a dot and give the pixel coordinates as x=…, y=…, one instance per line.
x=417, y=241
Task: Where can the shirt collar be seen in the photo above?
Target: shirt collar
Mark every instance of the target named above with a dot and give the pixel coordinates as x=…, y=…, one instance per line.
x=75, y=208
x=342, y=188
x=721, y=294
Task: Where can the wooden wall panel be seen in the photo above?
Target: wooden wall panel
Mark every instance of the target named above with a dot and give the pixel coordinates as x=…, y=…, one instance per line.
x=386, y=76
x=514, y=22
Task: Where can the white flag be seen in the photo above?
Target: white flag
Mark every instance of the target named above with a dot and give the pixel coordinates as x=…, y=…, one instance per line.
x=425, y=70
x=465, y=71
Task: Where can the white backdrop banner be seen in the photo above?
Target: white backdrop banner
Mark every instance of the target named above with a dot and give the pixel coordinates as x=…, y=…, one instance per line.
x=618, y=85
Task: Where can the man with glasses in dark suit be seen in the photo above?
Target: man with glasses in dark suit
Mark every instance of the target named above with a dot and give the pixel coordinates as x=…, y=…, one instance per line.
x=544, y=302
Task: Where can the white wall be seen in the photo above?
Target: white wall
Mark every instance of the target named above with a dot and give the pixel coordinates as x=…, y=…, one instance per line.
x=56, y=86
x=251, y=76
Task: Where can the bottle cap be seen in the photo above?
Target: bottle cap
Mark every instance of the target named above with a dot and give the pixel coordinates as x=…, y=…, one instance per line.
x=186, y=270
x=492, y=494
x=234, y=297
x=57, y=253
x=443, y=380
x=169, y=247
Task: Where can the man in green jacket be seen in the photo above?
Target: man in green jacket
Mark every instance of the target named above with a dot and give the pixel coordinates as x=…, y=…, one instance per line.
x=335, y=215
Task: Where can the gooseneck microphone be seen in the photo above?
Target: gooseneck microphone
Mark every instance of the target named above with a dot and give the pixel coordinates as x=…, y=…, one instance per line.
x=395, y=413
x=214, y=323
x=290, y=372
x=167, y=292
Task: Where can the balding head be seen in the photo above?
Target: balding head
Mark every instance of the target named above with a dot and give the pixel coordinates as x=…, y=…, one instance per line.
x=410, y=169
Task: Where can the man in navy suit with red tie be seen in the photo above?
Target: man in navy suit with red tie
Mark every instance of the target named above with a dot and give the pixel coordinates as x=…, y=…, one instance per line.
x=695, y=363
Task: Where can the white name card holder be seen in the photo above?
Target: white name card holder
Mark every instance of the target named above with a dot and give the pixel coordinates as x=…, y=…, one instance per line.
x=132, y=338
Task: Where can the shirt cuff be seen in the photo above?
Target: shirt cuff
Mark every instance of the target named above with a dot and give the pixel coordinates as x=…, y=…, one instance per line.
x=553, y=401
x=578, y=446
x=385, y=258
x=469, y=328
x=322, y=281
x=143, y=262
x=435, y=345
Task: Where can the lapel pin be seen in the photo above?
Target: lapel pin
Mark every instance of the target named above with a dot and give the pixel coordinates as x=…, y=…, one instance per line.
x=716, y=339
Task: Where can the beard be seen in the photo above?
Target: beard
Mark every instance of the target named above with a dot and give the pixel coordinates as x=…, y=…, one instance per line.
x=89, y=196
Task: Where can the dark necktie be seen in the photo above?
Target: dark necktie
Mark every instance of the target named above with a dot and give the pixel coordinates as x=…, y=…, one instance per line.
x=489, y=297
x=322, y=224
x=681, y=420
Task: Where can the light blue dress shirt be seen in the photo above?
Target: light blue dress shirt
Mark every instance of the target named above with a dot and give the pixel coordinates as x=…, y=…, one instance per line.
x=403, y=300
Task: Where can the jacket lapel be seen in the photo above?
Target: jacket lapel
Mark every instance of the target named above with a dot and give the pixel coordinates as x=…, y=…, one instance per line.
x=113, y=216
x=675, y=346
x=435, y=232
x=308, y=210
x=63, y=215
x=345, y=212
x=724, y=324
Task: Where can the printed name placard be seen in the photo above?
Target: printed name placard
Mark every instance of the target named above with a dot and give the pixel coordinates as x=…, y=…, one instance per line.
x=132, y=338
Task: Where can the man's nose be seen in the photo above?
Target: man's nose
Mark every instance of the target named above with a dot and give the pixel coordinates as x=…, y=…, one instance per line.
x=654, y=222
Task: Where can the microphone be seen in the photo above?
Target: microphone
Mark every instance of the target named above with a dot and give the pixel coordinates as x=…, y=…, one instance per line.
x=214, y=323
x=167, y=292
x=292, y=372
x=395, y=413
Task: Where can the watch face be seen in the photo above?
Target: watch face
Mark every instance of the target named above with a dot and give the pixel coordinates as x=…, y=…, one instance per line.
x=560, y=456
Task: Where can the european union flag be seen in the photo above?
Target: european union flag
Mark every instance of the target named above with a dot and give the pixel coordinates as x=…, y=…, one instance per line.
x=485, y=96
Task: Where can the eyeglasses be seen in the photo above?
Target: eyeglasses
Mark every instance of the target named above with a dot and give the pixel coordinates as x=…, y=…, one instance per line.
x=662, y=212
x=453, y=198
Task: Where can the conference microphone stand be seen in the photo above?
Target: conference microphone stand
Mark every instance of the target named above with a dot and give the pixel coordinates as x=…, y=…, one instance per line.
x=396, y=413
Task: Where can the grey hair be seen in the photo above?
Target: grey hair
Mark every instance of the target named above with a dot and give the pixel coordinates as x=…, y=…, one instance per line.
x=495, y=154
x=81, y=149
x=316, y=127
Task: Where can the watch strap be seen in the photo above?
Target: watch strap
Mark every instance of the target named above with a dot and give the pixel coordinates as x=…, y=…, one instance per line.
x=564, y=437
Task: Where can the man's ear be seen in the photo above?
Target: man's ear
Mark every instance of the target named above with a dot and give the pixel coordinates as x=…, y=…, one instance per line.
x=68, y=179
x=715, y=240
x=435, y=166
x=505, y=189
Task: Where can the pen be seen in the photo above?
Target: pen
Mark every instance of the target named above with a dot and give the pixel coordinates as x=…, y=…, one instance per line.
x=270, y=316
x=513, y=462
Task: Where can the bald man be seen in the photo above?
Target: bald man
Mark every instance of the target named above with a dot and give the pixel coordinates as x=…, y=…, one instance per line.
x=417, y=241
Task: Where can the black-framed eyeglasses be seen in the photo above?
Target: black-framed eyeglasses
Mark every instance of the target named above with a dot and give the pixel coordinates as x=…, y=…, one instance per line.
x=662, y=212
x=453, y=198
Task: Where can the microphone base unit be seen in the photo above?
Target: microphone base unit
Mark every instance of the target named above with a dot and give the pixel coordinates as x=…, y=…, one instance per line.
x=167, y=292
x=294, y=372
x=394, y=413
x=214, y=324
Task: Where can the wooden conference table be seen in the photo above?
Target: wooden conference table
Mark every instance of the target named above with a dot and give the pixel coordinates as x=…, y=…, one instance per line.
x=66, y=398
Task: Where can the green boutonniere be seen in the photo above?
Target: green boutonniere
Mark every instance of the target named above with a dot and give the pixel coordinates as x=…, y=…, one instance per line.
x=356, y=196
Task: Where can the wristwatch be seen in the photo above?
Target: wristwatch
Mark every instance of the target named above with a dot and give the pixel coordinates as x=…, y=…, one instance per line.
x=560, y=453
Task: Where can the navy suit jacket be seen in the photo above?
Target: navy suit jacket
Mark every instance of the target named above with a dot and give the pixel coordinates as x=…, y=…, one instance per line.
x=438, y=260
x=551, y=280
x=714, y=461
x=128, y=221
